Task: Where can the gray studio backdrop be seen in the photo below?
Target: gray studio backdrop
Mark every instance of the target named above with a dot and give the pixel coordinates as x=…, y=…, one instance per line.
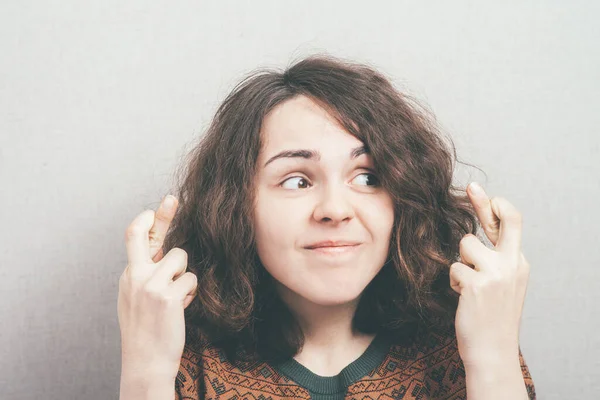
x=99, y=101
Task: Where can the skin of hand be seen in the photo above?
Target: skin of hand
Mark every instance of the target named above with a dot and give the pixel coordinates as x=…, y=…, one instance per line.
x=153, y=293
x=492, y=284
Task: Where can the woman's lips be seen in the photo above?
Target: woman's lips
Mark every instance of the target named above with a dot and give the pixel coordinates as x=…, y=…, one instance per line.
x=334, y=251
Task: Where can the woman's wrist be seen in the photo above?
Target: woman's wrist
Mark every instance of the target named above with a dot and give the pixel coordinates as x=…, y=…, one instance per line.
x=139, y=367
x=146, y=384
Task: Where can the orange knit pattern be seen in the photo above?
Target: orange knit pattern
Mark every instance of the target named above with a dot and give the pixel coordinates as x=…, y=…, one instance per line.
x=429, y=369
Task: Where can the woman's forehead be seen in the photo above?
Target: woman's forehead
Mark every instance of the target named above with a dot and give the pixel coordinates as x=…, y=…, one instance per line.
x=301, y=124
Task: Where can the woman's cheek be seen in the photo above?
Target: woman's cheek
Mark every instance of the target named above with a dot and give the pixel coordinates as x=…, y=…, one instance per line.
x=277, y=221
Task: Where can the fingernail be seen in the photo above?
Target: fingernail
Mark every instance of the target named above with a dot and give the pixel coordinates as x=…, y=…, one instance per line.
x=169, y=202
x=476, y=189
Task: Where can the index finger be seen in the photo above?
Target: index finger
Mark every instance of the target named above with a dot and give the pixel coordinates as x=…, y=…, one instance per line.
x=162, y=220
x=509, y=237
x=136, y=238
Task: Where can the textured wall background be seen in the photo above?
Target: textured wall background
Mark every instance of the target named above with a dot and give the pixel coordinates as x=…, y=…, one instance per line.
x=98, y=101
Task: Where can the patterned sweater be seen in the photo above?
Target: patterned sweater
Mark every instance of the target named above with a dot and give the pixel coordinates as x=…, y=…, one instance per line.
x=430, y=368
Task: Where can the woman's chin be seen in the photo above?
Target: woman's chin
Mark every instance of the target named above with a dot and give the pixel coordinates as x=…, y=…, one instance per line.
x=331, y=299
x=329, y=296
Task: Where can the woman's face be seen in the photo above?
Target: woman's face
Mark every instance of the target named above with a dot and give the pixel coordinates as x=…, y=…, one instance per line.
x=332, y=195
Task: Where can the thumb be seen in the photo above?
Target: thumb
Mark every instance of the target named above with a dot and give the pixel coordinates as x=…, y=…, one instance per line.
x=461, y=275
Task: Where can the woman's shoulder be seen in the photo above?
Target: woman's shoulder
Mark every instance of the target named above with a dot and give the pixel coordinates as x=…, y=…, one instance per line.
x=188, y=384
x=433, y=357
x=206, y=372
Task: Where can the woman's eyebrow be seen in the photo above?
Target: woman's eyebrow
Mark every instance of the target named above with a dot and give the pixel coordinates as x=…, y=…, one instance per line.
x=313, y=154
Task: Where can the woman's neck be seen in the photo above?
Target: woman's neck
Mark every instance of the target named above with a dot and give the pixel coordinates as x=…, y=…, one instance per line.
x=330, y=342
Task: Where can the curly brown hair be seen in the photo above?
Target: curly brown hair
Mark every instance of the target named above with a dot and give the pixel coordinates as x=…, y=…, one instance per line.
x=237, y=307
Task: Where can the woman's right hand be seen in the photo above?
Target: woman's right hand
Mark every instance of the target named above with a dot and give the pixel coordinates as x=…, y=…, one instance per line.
x=153, y=293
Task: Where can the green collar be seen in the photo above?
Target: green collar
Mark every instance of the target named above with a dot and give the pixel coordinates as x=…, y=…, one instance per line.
x=372, y=357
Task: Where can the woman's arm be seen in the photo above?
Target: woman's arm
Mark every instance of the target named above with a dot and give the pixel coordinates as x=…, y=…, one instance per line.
x=507, y=379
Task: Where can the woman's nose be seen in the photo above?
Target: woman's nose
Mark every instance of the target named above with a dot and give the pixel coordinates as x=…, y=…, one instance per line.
x=333, y=204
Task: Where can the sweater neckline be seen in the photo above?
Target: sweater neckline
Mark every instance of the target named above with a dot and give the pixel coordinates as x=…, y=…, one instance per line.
x=368, y=360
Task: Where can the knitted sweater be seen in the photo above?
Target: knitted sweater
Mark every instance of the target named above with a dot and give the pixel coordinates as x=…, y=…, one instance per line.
x=430, y=368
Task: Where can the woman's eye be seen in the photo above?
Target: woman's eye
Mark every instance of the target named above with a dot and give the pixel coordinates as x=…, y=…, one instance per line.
x=301, y=179
x=372, y=179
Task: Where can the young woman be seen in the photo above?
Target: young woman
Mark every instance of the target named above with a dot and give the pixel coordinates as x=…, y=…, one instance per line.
x=318, y=249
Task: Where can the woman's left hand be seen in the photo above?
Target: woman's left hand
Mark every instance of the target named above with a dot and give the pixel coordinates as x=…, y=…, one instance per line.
x=492, y=284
